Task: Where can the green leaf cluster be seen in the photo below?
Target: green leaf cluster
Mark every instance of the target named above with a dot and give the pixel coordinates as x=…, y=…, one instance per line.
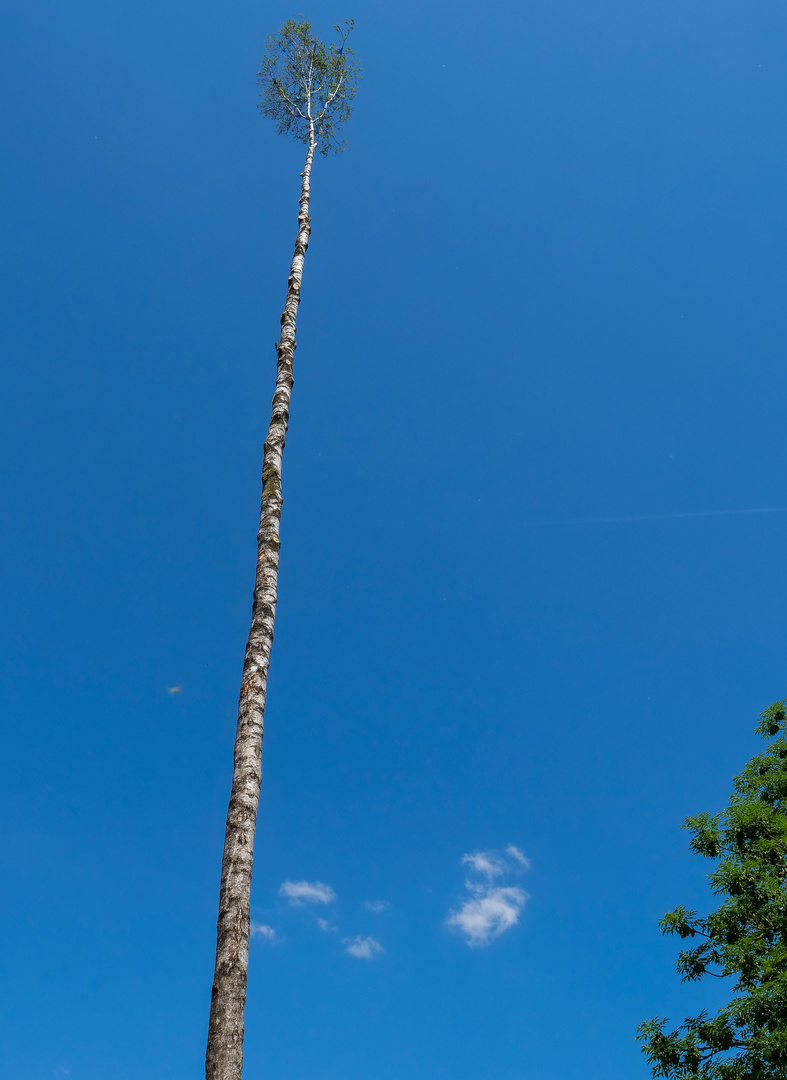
x=307, y=86
x=745, y=940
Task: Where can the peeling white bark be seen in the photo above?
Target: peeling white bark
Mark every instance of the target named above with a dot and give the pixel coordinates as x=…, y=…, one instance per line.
x=224, y=1058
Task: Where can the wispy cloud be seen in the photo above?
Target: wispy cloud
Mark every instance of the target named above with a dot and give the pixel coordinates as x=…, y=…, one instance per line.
x=298, y=893
x=364, y=948
x=262, y=930
x=519, y=856
x=326, y=927
x=490, y=908
x=490, y=864
x=659, y=517
x=377, y=906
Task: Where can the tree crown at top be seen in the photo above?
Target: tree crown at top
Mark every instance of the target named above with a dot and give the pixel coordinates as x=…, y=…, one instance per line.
x=745, y=940
x=306, y=86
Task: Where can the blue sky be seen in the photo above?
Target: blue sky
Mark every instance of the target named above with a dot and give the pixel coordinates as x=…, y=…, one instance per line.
x=545, y=289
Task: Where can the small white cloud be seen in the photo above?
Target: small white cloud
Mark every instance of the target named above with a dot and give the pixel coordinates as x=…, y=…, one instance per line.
x=487, y=863
x=519, y=856
x=483, y=918
x=491, y=907
x=307, y=892
x=325, y=926
x=364, y=948
x=262, y=930
x=376, y=906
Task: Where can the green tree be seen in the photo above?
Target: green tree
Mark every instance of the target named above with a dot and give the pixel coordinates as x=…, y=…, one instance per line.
x=307, y=87
x=745, y=940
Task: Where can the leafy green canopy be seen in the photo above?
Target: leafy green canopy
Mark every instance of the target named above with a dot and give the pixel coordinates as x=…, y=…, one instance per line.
x=746, y=939
x=306, y=86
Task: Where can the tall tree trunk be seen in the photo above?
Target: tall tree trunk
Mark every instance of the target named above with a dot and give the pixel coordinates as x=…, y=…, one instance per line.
x=224, y=1058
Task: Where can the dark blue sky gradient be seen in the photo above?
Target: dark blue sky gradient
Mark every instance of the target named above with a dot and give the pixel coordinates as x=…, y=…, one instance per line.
x=546, y=283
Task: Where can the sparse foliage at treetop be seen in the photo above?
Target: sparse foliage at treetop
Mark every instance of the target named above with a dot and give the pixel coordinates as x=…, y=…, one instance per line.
x=307, y=87
x=745, y=940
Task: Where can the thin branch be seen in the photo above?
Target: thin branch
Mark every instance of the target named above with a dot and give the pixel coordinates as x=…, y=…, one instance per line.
x=286, y=99
x=333, y=95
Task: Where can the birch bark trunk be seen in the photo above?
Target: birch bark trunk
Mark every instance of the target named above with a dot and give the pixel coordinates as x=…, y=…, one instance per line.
x=224, y=1057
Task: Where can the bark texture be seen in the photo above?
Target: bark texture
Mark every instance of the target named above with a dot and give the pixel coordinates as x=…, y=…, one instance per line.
x=224, y=1058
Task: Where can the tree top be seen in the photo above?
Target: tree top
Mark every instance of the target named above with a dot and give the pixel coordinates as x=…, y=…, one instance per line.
x=306, y=86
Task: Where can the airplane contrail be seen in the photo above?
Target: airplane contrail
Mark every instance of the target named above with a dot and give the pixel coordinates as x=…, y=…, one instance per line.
x=659, y=517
